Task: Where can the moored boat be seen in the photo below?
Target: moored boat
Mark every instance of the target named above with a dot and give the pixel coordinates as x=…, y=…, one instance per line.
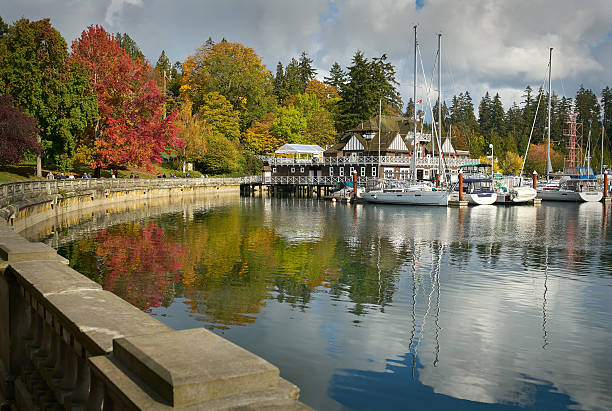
x=392, y=191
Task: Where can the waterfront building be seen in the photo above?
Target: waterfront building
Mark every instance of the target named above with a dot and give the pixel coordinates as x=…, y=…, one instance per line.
x=371, y=153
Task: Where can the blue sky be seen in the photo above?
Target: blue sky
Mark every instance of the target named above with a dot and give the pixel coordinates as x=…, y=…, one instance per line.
x=495, y=46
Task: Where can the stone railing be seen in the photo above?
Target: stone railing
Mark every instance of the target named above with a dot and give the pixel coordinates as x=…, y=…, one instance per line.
x=67, y=344
x=11, y=192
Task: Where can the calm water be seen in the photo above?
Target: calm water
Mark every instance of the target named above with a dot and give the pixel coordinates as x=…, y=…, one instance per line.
x=382, y=307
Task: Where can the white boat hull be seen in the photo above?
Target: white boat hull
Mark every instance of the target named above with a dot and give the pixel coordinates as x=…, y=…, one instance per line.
x=519, y=195
x=480, y=199
x=568, y=195
x=437, y=198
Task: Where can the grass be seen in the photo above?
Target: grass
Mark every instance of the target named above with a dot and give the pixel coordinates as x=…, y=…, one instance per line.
x=27, y=170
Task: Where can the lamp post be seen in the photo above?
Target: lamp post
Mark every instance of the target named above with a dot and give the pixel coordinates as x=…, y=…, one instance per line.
x=491, y=147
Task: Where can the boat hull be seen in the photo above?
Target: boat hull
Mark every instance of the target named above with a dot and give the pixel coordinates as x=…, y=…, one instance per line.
x=436, y=198
x=481, y=198
x=519, y=195
x=567, y=195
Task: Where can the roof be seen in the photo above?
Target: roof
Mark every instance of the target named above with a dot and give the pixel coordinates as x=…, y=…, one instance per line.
x=300, y=149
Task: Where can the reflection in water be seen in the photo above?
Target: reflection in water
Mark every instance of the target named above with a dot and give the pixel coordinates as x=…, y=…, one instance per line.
x=347, y=300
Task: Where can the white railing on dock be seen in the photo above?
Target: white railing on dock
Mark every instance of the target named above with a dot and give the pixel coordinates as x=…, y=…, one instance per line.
x=309, y=180
x=384, y=160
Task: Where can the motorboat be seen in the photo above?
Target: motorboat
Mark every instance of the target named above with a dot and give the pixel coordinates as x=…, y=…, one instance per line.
x=393, y=191
x=510, y=191
x=344, y=189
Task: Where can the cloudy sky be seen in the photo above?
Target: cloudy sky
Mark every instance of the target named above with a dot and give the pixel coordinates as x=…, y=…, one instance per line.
x=499, y=46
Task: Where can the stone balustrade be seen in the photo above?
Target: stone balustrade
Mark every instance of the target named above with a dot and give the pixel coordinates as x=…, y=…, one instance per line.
x=67, y=344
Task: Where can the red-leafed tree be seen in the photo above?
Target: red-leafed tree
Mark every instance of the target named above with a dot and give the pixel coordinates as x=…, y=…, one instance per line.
x=131, y=129
x=17, y=132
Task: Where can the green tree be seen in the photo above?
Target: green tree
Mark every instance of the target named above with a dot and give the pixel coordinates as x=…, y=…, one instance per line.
x=222, y=155
x=234, y=71
x=36, y=72
x=129, y=46
x=336, y=78
x=305, y=71
x=218, y=112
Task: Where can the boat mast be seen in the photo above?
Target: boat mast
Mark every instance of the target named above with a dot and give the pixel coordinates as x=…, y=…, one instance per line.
x=548, y=165
x=414, y=151
x=439, y=103
x=603, y=127
x=379, y=114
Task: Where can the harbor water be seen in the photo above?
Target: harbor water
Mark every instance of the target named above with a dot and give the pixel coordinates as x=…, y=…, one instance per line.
x=372, y=307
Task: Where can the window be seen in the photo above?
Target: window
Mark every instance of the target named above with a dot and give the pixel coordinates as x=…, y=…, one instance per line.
x=274, y=169
x=341, y=171
x=331, y=171
x=353, y=154
x=373, y=171
x=292, y=169
x=352, y=169
x=362, y=171
x=301, y=169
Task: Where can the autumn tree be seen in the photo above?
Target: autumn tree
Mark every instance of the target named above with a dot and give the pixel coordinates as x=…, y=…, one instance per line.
x=17, y=132
x=194, y=133
x=259, y=138
x=219, y=113
x=234, y=71
x=131, y=128
x=36, y=72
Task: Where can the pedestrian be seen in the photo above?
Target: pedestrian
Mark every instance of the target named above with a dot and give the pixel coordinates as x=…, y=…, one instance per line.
x=50, y=176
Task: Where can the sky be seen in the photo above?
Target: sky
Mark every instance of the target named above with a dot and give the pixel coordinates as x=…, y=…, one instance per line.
x=500, y=46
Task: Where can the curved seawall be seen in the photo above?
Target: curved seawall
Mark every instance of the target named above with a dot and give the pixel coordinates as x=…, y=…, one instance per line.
x=66, y=343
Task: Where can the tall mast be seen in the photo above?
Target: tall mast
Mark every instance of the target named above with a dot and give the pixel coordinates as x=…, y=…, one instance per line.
x=603, y=127
x=379, y=120
x=414, y=151
x=439, y=102
x=548, y=165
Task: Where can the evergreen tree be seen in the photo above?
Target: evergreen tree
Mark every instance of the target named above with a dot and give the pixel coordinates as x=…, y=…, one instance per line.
x=409, y=113
x=337, y=77
x=130, y=46
x=484, y=114
x=497, y=116
x=278, y=83
x=293, y=80
x=305, y=71
x=3, y=27
x=384, y=79
x=588, y=113
x=163, y=63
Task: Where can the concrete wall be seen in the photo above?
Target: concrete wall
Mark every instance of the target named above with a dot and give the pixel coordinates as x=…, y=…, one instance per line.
x=65, y=343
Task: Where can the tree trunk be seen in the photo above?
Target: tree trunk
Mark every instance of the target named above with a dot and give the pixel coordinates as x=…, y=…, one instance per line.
x=39, y=160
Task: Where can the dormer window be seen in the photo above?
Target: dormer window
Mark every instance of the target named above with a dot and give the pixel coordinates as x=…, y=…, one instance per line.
x=368, y=136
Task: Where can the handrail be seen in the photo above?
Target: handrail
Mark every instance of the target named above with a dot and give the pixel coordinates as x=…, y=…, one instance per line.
x=384, y=160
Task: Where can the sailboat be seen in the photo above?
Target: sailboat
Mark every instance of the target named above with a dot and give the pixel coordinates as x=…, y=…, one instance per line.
x=577, y=184
x=392, y=191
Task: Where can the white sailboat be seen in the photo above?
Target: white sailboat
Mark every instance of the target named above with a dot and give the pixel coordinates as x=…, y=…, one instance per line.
x=400, y=192
x=578, y=183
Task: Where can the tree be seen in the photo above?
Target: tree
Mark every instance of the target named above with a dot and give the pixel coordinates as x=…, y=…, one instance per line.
x=234, y=71
x=511, y=163
x=3, y=27
x=132, y=128
x=219, y=113
x=278, y=84
x=337, y=77
x=259, y=138
x=36, y=72
x=17, y=132
x=129, y=46
x=305, y=70
x=222, y=155
x=194, y=133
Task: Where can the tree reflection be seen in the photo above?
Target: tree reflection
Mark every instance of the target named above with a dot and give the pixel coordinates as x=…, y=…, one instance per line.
x=139, y=263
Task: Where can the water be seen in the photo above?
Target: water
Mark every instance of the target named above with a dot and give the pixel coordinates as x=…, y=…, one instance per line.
x=382, y=307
